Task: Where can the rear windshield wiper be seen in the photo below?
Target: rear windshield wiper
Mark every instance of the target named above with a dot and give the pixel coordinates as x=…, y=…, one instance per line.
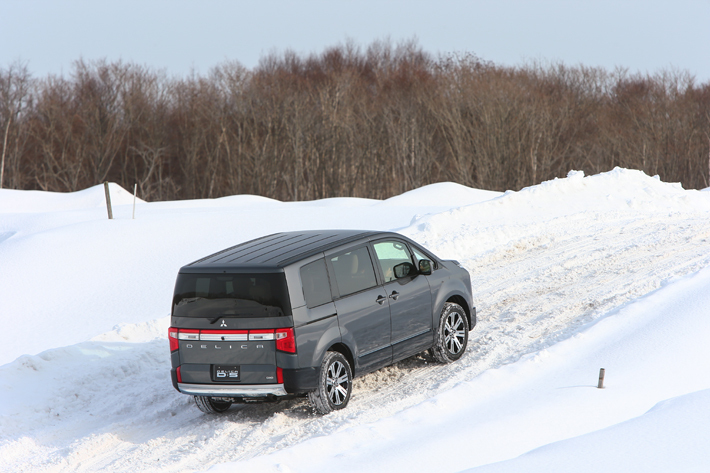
x=229, y=316
x=188, y=300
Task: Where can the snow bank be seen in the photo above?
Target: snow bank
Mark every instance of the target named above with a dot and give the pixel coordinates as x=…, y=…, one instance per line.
x=555, y=269
x=16, y=201
x=516, y=215
x=447, y=194
x=670, y=437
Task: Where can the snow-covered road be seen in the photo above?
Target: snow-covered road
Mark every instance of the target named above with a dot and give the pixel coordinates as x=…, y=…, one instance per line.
x=546, y=262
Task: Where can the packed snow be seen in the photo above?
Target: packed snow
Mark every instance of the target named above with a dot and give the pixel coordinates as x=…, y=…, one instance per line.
x=573, y=275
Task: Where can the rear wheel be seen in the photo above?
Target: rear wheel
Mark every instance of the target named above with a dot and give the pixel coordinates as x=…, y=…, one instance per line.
x=452, y=335
x=210, y=406
x=334, y=384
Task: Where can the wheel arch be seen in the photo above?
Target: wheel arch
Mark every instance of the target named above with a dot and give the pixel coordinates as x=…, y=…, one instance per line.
x=345, y=351
x=460, y=300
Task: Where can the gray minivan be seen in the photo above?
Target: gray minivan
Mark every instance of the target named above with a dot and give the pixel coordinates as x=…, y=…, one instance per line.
x=303, y=313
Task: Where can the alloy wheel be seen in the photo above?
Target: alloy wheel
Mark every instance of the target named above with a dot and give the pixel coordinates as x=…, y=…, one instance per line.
x=337, y=383
x=454, y=333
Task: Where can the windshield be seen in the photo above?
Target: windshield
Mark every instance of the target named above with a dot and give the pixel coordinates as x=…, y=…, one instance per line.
x=231, y=295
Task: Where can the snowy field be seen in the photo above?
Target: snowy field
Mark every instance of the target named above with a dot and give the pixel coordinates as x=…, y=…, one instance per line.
x=573, y=275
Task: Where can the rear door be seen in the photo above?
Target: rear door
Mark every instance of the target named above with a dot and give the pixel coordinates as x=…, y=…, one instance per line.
x=363, y=307
x=409, y=299
x=228, y=356
x=227, y=325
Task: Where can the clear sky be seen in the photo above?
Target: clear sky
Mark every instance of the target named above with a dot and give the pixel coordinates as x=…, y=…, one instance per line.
x=180, y=36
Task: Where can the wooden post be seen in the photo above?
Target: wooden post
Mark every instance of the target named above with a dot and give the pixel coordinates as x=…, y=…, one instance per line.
x=135, y=188
x=4, y=147
x=601, y=379
x=108, y=201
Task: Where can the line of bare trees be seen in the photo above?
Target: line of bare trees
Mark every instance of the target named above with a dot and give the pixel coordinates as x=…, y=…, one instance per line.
x=370, y=122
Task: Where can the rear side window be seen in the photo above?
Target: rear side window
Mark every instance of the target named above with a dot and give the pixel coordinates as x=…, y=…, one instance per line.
x=316, y=287
x=231, y=295
x=353, y=271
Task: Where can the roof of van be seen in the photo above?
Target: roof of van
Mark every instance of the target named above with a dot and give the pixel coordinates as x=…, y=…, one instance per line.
x=277, y=250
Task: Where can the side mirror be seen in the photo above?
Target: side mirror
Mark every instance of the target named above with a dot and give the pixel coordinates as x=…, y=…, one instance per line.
x=402, y=270
x=425, y=267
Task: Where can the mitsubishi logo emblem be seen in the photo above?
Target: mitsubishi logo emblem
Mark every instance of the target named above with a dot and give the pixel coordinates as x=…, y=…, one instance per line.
x=223, y=324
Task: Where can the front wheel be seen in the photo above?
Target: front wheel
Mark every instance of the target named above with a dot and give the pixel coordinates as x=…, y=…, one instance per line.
x=210, y=406
x=452, y=336
x=334, y=384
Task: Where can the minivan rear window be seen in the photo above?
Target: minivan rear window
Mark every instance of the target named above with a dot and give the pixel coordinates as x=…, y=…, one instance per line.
x=231, y=295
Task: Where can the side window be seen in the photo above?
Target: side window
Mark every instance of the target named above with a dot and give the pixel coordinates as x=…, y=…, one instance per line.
x=420, y=256
x=353, y=271
x=316, y=287
x=390, y=254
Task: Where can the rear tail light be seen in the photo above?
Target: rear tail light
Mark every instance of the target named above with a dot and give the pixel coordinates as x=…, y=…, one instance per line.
x=279, y=375
x=173, y=337
x=285, y=341
x=179, y=374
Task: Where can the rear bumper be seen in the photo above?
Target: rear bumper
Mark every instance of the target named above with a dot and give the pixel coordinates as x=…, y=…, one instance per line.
x=299, y=380
x=247, y=390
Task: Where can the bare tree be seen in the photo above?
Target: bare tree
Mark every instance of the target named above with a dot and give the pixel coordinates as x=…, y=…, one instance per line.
x=15, y=97
x=347, y=121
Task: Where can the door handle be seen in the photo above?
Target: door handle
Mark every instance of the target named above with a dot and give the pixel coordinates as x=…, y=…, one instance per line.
x=394, y=295
x=381, y=299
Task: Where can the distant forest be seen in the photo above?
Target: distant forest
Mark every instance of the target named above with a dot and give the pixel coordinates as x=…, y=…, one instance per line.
x=350, y=121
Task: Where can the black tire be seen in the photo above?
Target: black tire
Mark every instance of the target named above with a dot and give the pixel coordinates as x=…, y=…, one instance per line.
x=209, y=406
x=335, y=384
x=452, y=334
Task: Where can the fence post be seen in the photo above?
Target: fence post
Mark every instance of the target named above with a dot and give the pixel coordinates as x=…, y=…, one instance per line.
x=108, y=201
x=601, y=379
